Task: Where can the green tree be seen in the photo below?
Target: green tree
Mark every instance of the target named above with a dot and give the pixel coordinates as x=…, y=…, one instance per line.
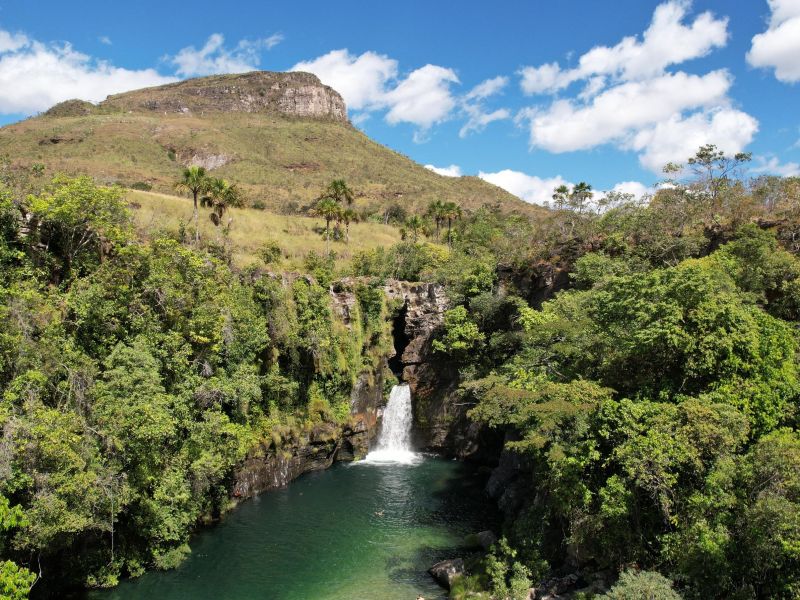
x=436, y=211
x=328, y=209
x=15, y=581
x=339, y=192
x=78, y=220
x=195, y=181
x=450, y=212
x=580, y=196
x=414, y=223
x=221, y=196
x=347, y=216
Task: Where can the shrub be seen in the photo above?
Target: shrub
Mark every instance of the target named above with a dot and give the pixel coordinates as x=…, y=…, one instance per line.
x=270, y=252
x=642, y=585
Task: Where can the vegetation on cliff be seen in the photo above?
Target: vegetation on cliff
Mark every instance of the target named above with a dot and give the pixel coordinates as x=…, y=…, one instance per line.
x=640, y=359
x=652, y=404
x=136, y=374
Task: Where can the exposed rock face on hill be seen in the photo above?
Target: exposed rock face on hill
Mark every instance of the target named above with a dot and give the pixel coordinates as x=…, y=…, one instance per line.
x=281, y=137
x=292, y=94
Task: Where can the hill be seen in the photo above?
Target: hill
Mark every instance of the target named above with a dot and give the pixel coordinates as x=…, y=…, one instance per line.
x=281, y=136
x=251, y=229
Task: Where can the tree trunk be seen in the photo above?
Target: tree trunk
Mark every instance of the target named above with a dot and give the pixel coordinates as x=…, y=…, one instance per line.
x=196, y=221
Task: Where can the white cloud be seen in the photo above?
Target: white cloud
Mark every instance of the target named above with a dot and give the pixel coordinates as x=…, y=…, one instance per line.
x=272, y=41
x=667, y=41
x=772, y=166
x=214, y=57
x=635, y=188
x=478, y=120
x=104, y=39
x=34, y=76
x=677, y=138
x=361, y=80
x=530, y=188
x=369, y=82
x=451, y=171
x=621, y=110
x=779, y=46
x=487, y=88
x=11, y=42
x=423, y=98
x=631, y=101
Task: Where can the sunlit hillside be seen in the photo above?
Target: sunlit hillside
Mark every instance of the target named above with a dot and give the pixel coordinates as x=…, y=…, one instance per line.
x=251, y=228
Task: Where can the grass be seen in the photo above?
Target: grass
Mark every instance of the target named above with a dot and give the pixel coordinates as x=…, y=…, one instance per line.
x=251, y=229
x=281, y=162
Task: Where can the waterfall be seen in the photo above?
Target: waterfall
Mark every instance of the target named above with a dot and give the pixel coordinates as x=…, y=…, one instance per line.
x=394, y=440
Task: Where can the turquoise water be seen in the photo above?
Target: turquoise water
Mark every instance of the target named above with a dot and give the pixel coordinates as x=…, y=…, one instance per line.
x=355, y=531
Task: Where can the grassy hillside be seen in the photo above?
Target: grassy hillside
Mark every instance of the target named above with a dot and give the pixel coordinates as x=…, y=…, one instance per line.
x=251, y=229
x=281, y=162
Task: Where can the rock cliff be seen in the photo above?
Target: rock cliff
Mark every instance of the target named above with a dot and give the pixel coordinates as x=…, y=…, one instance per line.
x=268, y=468
x=290, y=94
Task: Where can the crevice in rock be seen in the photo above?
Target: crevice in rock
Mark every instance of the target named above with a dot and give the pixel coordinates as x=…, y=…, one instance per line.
x=400, y=340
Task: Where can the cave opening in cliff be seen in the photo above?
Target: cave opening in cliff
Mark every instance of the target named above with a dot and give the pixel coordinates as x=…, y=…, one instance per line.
x=400, y=339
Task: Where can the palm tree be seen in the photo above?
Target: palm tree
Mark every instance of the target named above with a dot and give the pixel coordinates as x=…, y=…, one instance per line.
x=338, y=191
x=581, y=194
x=435, y=211
x=328, y=209
x=221, y=196
x=414, y=223
x=347, y=216
x=450, y=211
x=194, y=180
x=560, y=196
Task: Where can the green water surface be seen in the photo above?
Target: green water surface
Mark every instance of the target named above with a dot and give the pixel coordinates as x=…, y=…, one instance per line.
x=355, y=531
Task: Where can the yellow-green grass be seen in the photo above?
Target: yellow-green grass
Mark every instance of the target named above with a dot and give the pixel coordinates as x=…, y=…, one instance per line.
x=251, y=228
x=283, y=163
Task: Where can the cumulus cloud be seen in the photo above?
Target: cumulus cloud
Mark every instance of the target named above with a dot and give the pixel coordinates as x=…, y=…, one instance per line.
x=533, y=189
x=630, y=99
x=677, y=138
x=478, y=119
x=214, y=57
x=487, y=88
x=472, y=104
x=104, y=39
x=572, y=125
x=361, y=80
x=370, y=82
x=667, y=41
x=778, y=47
x=771, y=165
x=423, y=98
x=34, y=76
x=451, y=171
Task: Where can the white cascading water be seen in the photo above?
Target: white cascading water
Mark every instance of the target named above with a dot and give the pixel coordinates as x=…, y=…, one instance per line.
x=394, y=441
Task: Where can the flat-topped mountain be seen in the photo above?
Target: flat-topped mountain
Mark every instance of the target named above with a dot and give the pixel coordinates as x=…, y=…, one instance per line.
x=281, y=136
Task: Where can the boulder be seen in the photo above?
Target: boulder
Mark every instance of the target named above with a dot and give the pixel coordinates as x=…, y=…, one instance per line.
x=486, y=539
x=445, y=572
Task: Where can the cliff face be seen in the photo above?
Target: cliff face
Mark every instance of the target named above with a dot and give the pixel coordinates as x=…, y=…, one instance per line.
x=291, y=94
x=268, y=468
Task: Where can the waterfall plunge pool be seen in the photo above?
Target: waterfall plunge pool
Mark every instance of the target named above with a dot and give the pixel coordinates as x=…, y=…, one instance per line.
x=367, y=530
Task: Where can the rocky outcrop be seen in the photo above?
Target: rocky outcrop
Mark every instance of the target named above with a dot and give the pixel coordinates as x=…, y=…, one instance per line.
x=291, y=94
x=446, y=572
x=268, y=467
x=421, y=306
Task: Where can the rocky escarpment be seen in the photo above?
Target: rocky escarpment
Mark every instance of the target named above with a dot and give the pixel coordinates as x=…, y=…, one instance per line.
x=269, y=467
x=291, y=94
x=440, y=420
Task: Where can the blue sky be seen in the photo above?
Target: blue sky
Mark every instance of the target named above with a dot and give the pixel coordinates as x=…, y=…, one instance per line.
x=528, y=94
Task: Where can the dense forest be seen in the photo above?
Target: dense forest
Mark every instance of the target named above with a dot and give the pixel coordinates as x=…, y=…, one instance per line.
x=647, y=391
